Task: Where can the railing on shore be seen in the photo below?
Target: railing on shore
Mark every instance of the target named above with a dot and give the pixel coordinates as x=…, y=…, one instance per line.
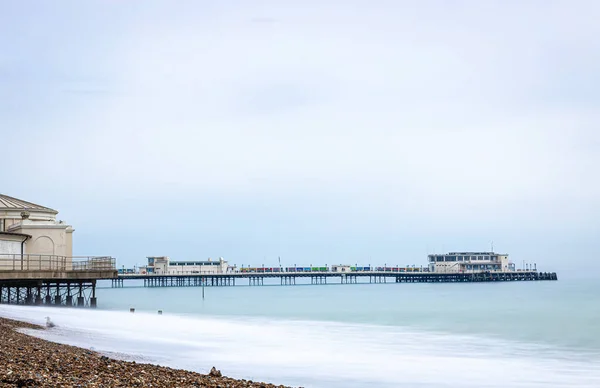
x=30, y=262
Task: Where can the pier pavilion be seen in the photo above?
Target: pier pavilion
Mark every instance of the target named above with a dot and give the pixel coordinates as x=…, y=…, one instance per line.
x=470, y=262
x=163, y=265
x=34, y=229
x=37, y=265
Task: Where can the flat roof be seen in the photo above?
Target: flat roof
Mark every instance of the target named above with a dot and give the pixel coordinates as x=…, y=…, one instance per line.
x=469, y=254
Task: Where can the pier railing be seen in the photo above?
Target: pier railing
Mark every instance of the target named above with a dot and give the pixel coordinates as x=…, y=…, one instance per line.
x=30, y=262
x=132, y=273
x=94, y=263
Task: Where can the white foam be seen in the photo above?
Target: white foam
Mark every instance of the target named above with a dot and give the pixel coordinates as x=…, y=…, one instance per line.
x=314, y=354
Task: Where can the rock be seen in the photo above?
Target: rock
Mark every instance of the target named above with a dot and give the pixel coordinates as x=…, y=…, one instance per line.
x=214, y=372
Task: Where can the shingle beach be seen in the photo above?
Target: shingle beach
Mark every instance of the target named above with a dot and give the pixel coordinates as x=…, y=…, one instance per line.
x=27, y=361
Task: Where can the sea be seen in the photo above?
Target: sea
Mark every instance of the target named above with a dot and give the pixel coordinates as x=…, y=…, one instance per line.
x=513, y=334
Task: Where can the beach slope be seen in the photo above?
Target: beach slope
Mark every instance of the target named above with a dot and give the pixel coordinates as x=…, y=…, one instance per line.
x=27, y=361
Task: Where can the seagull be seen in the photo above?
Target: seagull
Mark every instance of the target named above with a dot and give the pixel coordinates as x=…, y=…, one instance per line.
x=49, y=323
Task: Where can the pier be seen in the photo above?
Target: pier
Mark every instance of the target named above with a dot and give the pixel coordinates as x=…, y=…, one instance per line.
x=290, y=278
x=52, y=280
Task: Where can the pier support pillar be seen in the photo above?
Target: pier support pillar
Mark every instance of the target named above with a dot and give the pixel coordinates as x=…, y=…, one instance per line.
x=80, y=301
x=48, y=299
x=93, y=297
x=57, y=300
x=69, y=300
x=38, y=296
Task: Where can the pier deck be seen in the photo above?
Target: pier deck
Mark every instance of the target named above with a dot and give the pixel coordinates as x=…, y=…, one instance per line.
x=289, y=278
x=53, y=280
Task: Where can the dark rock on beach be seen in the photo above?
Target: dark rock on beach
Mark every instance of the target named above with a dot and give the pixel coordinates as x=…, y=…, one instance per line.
x=214, y=372
x=27, y=361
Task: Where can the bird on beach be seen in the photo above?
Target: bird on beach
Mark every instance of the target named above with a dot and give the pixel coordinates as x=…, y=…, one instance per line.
x=49, y=323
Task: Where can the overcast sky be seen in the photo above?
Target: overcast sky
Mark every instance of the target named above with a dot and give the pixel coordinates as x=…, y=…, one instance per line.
x=365, y=132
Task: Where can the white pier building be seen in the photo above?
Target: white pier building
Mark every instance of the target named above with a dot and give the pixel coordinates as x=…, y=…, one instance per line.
x=162, y=265
x=468, y=262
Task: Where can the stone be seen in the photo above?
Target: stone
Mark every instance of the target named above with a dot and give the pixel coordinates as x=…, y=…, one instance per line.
x=214, y=372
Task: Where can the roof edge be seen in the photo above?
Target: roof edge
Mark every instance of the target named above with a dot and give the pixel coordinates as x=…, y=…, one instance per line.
x=16, y=234
x=35, y=207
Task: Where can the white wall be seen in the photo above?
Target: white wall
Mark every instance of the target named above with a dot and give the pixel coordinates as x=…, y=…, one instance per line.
x=47, y=237
x=8, y=247
x=447, y=266
x=504, y=262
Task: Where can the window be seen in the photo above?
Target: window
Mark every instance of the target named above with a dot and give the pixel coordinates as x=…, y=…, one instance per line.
x=480, y=258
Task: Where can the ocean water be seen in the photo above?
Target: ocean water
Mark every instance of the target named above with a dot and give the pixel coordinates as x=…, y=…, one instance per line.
x=521, y=334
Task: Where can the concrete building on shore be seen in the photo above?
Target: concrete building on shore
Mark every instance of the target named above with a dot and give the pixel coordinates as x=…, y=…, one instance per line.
x=30, y=229
x=467, y=262
x=162, y=265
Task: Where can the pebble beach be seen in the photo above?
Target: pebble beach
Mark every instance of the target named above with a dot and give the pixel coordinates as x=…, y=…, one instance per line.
x=27, y=361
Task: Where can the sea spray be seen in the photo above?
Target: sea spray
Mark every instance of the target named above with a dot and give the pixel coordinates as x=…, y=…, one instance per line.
x=315, y=354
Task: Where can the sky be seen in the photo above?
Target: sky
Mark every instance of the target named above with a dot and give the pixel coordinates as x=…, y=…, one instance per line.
x=321, y=132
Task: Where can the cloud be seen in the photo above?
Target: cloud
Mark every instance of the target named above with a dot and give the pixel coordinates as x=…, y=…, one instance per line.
x=263, y=19
x=352, y=116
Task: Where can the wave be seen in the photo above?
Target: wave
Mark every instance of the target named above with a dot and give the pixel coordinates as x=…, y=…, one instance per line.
x=314, y=354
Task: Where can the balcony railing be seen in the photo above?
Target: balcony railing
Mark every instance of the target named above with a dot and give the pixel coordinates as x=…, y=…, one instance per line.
x=29, y=262
x=94, y=263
